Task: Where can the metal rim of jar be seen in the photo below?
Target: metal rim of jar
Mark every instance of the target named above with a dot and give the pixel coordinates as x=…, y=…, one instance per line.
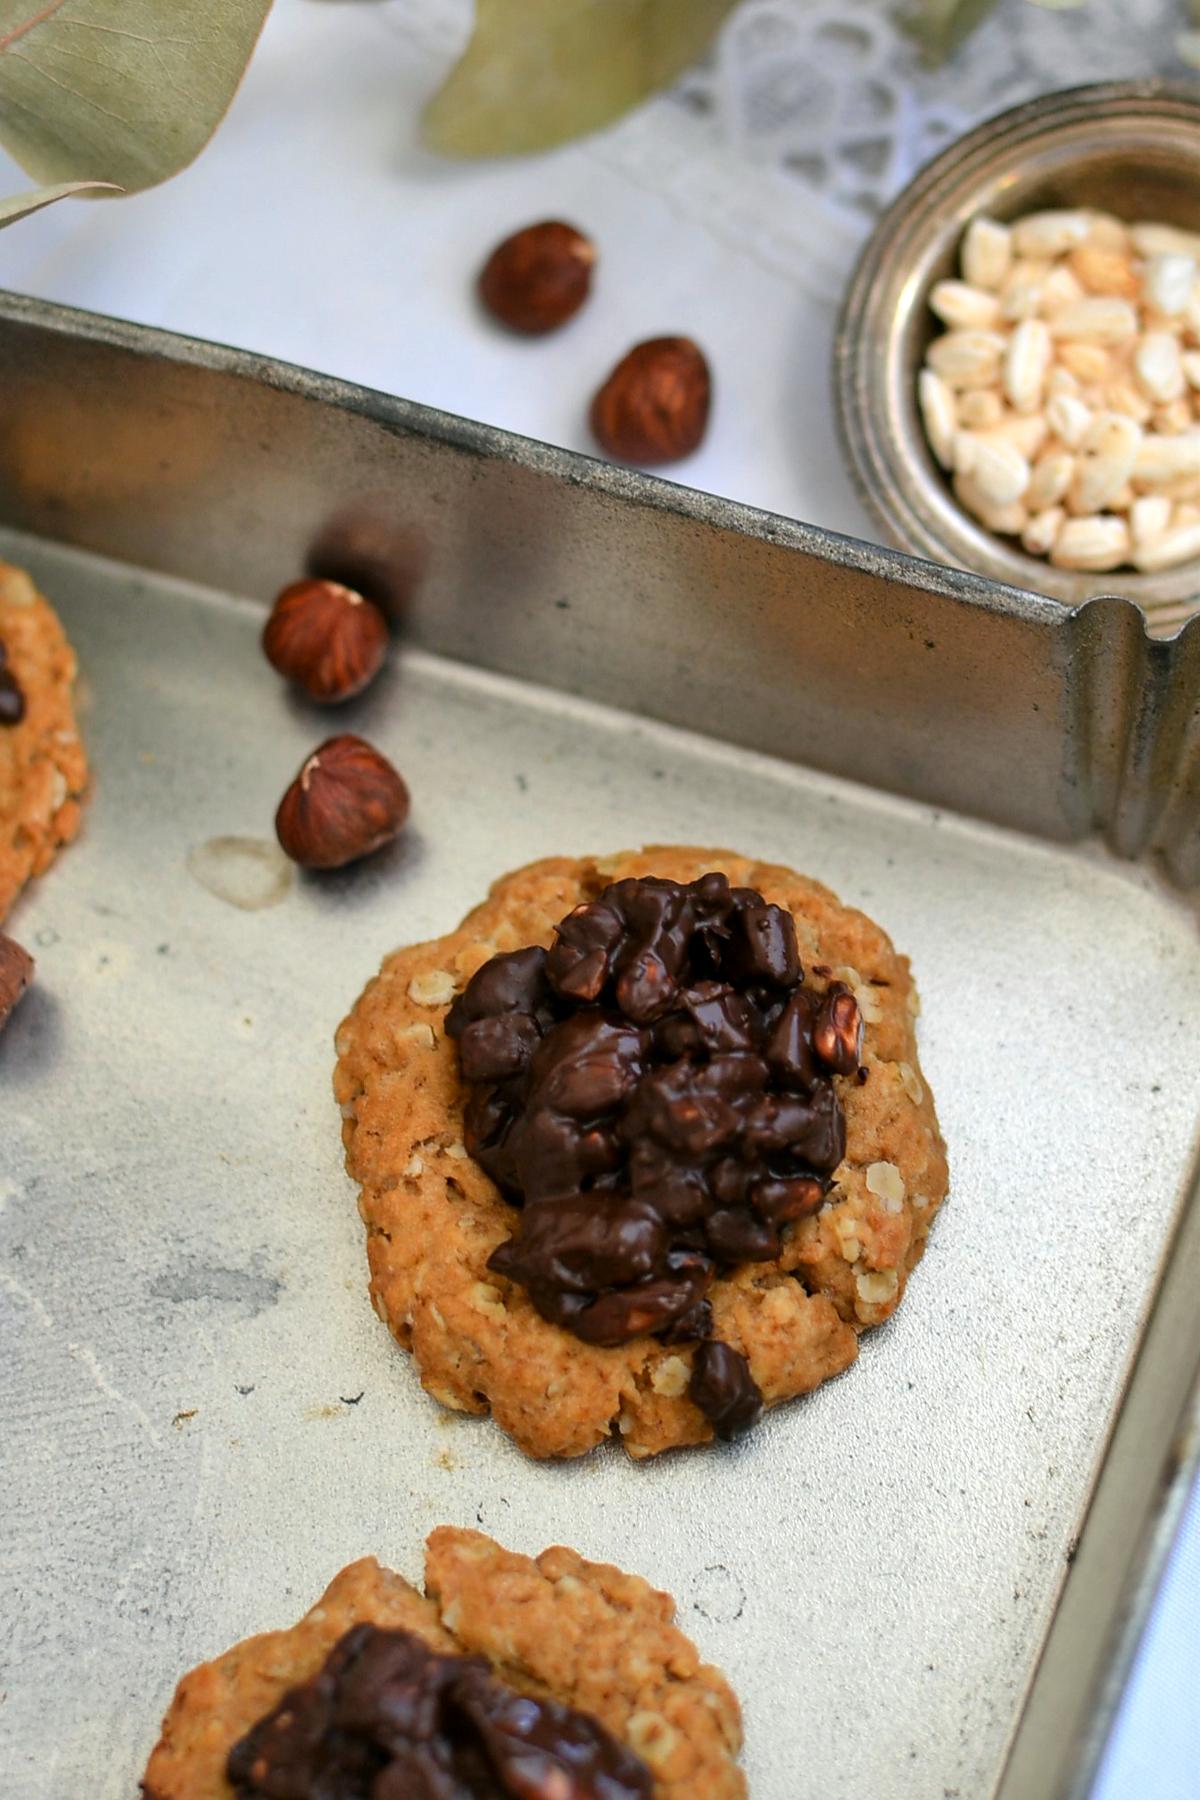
x=1104, y=144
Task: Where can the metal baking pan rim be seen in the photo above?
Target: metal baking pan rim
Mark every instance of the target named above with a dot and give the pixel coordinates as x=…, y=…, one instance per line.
x=1084, y=709
x=572, y=466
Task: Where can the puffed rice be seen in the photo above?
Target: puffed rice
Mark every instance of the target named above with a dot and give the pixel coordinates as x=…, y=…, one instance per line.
x=1105, y=461
x=1027, y=363
x=998, y=471
x=1103, y=271
x=986, y=253
x=1049, y=233
x=1026, y=432
x=1087, y=362
x=1177, y=545
x=937, y=411
x=979, y=409
x=1068, y=418
x=1096, y=319
x=961, y=305
x=1098, y=542
x=1173, y=419
x=1149, y=518
x=967, y=359
x=1043, y=528
x=1062, y=381
x=1009, y=521
x=1060, y=289
x=1106, y=232
x=1123, y=397
x=1163, y=459
x=1168, y=282
x=1159, y=366
x=1052, y=476
x=1164, y=240
x=1063, y=395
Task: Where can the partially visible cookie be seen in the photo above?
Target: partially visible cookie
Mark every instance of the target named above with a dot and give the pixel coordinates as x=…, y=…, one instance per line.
x=434, y=1217
x=43, y=768
x=555, y=1627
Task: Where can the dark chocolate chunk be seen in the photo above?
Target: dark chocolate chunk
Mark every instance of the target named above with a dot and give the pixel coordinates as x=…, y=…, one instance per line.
x=724, y=1389
x=493, y=1049
x=513, y=982
x=385, y=1718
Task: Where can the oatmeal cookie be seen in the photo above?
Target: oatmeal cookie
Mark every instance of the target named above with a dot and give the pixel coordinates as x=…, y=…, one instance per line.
x=434, y=1218
x=554, y=1627
x=43, y=769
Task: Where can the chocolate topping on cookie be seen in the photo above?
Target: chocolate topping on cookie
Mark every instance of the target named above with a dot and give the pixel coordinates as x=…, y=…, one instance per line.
x=386, y=1718
x=656, y=1091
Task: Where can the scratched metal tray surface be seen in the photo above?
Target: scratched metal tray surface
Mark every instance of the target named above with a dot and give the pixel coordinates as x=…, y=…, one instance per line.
x=923, y=1580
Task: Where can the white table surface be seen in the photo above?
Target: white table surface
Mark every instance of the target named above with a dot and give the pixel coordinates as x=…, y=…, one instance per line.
x=315, y=229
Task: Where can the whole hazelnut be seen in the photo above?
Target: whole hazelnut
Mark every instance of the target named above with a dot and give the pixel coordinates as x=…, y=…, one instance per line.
x=325, y=638
x=346, y=801
x=538, y=278
x=16, y=973
x=654, y=406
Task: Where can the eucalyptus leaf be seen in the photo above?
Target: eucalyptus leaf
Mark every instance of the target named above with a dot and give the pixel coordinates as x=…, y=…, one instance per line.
x=121, y=93
x=19, y=206
x=537, y=72
x=941, y=25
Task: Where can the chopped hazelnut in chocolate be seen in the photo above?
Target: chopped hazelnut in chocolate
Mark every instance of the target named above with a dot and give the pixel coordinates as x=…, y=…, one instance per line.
x=656, y=1091
x=386, y=1718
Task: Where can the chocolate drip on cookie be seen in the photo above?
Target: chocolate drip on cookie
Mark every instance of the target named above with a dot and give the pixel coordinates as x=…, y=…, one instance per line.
x=657, y=1092
x=386, y=1718
x=12, y=699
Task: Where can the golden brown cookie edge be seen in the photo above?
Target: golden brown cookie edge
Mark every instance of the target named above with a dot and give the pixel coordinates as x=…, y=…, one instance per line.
x=478, y=1342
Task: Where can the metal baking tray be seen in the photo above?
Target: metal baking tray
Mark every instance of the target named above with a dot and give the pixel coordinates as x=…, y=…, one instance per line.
x=925, y=1579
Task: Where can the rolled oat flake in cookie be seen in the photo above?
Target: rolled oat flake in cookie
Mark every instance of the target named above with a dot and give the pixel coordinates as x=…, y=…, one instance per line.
x=665, y=1146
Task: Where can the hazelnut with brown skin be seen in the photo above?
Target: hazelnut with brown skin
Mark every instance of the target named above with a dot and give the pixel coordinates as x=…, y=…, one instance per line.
x=538, y=278
x=654, y=406
x=16, y=973
x=346, y=801
x=326, y=638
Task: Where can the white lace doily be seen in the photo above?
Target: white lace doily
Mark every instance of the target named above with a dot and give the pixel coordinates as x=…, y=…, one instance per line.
x=809, y=115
